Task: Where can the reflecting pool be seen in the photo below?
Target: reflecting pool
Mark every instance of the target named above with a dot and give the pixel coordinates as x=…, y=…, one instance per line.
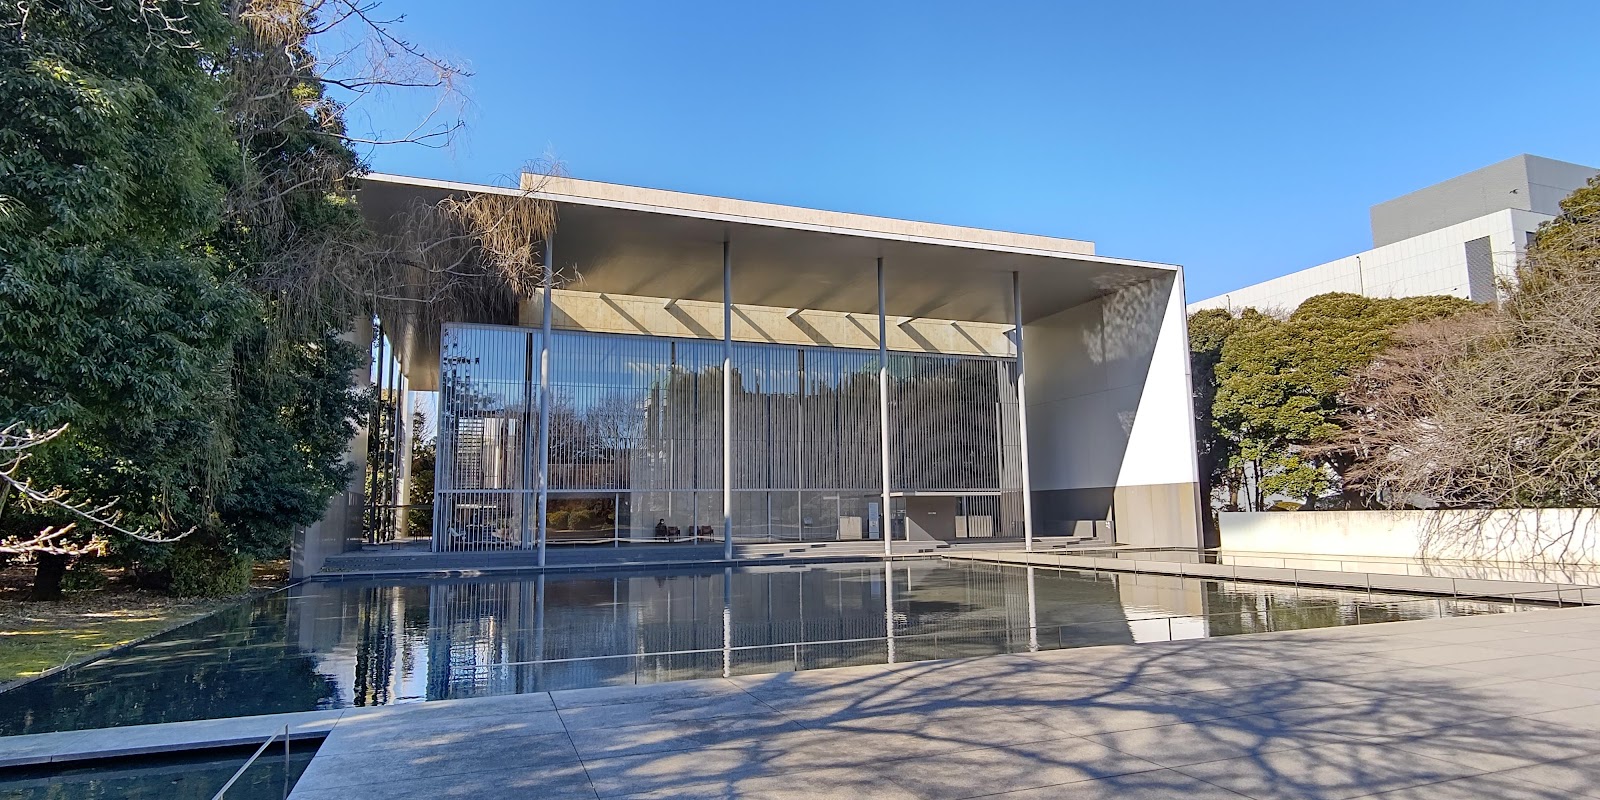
x=332, y=644
x=176, y=776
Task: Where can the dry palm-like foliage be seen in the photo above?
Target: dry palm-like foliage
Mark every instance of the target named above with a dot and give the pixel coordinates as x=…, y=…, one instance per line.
x=1493, y=410
x=16, y=444
x=464, y=257
x=508, y=230
x=307, y=68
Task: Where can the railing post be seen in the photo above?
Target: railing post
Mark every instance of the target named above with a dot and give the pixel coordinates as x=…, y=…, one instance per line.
x=286, y=762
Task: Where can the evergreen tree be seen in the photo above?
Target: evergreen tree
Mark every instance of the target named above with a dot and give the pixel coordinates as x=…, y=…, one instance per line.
x=115, y=317
x=1276, y=388
x=174, y=213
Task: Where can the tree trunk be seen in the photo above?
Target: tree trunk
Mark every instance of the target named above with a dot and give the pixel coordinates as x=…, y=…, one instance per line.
x=51, y=567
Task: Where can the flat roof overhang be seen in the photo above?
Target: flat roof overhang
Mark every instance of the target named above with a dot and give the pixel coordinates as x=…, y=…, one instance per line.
x=654, y=243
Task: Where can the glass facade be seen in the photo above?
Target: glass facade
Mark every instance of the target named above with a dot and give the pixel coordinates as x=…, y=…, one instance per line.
x=636, y=441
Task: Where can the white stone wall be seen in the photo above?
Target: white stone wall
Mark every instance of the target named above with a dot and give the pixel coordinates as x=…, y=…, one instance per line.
x=1563, y=535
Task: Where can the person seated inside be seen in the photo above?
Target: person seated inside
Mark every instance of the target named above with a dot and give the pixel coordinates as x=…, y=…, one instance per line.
x=661, y=529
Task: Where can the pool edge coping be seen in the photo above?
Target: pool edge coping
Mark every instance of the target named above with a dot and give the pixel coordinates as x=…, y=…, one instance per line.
x=1370, y=581
x=99, y=744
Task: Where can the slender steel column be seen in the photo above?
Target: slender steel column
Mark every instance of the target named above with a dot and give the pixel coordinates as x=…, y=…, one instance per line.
x=883, y=420
x=544, y=402
x=404, y=460
x=727, y=402
x=374, y=439
x=1022, y=418
x=532, y=391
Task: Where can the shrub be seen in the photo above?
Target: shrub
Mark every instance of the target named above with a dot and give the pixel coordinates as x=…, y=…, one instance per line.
x=557, y=520
x=198, y=571
x=580, y=518
x=83, y=576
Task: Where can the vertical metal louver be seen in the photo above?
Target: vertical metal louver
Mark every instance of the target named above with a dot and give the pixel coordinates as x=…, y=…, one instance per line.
x=636, y=420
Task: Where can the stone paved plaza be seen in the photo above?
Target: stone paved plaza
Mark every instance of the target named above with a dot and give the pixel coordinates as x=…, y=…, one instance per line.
x=1498, y=706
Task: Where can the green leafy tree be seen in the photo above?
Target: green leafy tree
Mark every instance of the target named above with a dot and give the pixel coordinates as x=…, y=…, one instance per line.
x=289, y=221
x=1221, y=477
x=115, y=317
x=424, y=461
x=177, y=247
x=182, y=259
x=1279, y=385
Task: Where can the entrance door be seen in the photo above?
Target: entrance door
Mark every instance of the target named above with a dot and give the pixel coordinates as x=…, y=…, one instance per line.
x=931, y=518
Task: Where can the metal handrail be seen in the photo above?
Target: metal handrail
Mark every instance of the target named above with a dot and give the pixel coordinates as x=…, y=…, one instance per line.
x=252, y=760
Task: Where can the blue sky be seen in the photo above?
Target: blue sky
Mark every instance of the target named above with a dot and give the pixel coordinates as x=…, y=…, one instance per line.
x=1242, y=140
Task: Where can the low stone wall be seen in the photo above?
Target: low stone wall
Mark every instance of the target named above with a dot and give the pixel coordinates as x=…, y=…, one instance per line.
x=1564, y=535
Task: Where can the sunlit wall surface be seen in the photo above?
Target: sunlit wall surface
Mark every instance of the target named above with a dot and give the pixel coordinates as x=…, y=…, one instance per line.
x=636, y=441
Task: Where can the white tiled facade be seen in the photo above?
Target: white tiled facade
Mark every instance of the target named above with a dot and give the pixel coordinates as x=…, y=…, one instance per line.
x=1433, y=263
x=1461, y=237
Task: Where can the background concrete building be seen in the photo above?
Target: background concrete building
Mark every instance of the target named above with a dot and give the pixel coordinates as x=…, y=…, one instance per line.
x=705, y=369
x=1460, y=237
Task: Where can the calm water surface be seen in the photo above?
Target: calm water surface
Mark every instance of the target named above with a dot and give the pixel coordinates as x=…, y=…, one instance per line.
x=179, y=776
x=341, y=644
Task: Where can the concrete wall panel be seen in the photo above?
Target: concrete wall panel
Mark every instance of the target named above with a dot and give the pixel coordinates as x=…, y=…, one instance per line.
x=1110, y=415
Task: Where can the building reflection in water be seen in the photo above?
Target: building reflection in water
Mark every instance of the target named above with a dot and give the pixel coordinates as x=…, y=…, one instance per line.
x=441, y=639
x=331, y=644
x=389, y=643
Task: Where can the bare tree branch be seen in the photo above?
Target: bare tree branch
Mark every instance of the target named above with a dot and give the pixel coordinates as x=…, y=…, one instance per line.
x=17, y=442
x=1493, y=410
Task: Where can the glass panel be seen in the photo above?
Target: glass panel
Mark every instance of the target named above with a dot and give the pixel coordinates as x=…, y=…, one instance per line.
x=488, y=418
x=636, y=439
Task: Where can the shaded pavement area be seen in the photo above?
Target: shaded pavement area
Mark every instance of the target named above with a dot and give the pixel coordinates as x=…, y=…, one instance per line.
x=1502, y=706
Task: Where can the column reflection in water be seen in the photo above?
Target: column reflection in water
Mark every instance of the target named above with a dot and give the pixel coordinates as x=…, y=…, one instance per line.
x=538, y=638
x=1033, y=615
x=476, y=637
x=727, y=622
x=888, y=608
